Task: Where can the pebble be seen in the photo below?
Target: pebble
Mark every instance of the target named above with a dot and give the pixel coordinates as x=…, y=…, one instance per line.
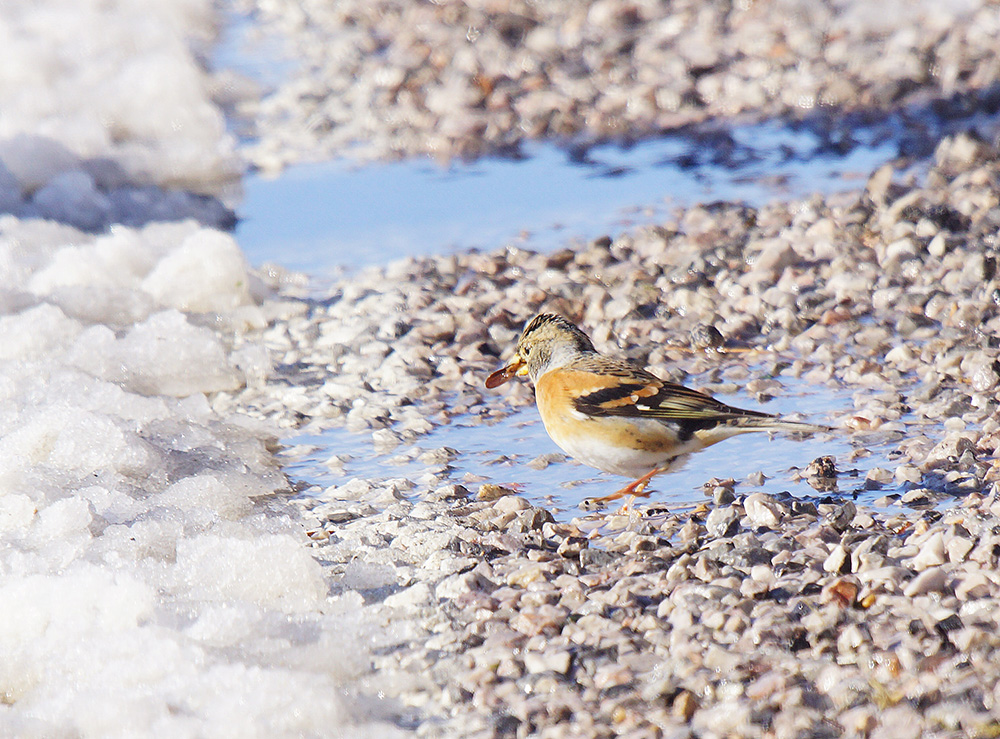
x=932, y=552
x=837, y=561
x=558, y=662
x=684, y=705
x=763, y=510
x=931, y=580
x=720, y=521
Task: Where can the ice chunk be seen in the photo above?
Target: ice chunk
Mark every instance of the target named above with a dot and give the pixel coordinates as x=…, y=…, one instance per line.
x=120, y=259
x=56, y=608
x=142, y=588
x=76, y=442
x=270, y=570
x=207, y=274
x=111, y=505
x=254, y=362
x=219, y=623
x=154, y=537
x=16, y=512
x=115, y=81
x=117, y=307
x=167, y=355
x=210, y=492
x=62, y=520
x=163, y=355
x=36, y=331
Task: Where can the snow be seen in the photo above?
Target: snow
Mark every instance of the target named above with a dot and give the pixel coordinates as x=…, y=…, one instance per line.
x=103, y=105
x=140, y=582
x=113, y=80
x=145, y=589
x=207, y=274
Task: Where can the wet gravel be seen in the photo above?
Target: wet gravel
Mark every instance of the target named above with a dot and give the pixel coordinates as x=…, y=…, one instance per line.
x=386, y=79
x=752, y=614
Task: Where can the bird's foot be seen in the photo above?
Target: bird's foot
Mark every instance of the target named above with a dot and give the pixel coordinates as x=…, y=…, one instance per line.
x=635, y=489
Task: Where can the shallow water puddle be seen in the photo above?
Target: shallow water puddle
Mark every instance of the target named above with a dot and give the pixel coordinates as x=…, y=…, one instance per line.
x=516, y=452
x=318, y=218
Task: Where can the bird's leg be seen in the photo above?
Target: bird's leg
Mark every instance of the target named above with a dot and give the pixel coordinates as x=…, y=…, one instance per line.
x=636, y=488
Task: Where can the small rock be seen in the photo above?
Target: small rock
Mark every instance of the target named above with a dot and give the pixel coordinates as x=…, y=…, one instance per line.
x=773, y=258
x=744, y=558
x=858, y=721
x=931, y=554
x=558, y=662
x=531, y=519
x=441, y=455
x=461, y=583
x=689, y=532
x=821, y=467
x=723, y=495
x=840, y=516
x=843, y=591
x=919, y=498
x=958, y=548
x=706, y=336
x=527, y=574
x=839, y=561
x=511, y=504
x=907, y=473
x=489, y=491
x=572, y=546
x=948, y=452
x=596, y=558
x=544, y=460
x=973, y=585
x=763, y=510
x=876, y=478
x=385, y=439
x=720, y=522
x=448, y=492
x=643, y=544
x=933, y=580
x=684, y=705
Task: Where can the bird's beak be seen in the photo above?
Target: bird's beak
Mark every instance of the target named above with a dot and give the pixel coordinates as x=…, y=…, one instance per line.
x=498, y=378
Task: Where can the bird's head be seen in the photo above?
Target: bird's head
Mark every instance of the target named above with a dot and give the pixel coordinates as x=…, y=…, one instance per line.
x=548, y=341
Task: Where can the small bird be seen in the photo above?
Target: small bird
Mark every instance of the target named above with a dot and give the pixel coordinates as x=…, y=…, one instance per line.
x=613, y=415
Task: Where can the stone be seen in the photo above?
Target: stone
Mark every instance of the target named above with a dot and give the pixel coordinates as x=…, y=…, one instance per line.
x=762, y=510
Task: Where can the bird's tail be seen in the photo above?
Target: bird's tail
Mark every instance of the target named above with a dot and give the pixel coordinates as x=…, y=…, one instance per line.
x=743, y=424
x=771, y=423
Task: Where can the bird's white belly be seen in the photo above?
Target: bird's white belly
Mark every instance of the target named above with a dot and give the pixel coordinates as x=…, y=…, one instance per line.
x=606, y=452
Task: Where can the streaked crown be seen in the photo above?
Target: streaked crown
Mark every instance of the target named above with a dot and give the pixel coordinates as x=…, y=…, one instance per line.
x=550, y=341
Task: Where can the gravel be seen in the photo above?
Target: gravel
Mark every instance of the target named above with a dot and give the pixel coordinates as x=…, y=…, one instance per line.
x=751, y=613
x=386, y=79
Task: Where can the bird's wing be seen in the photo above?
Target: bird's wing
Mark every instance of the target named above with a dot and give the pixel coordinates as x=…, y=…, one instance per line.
x=613, y=388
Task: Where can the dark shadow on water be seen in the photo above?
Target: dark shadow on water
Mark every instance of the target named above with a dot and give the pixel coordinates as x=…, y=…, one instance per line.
x=914, y=124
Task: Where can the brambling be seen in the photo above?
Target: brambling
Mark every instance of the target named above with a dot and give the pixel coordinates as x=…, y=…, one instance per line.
x=612, y=414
